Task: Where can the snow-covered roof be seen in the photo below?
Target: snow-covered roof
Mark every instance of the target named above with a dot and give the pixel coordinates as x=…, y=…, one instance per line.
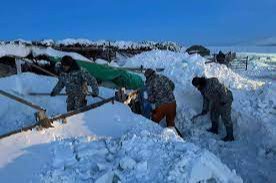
x=21, y=50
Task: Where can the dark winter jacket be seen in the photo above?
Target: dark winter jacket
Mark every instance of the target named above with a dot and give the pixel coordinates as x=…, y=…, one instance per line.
x=75, y=82
x=216, y=93
x=160, y=90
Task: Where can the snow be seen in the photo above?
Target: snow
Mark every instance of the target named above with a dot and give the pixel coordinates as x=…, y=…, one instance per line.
x=118, y=44
x=244, y=49
x=138, y=156
x=260, y=65
x=120, y=144
x=253, y=111
x=56, y=53
x=111, y=144
x=101, y=62
x=20, y=50
x=14, y=50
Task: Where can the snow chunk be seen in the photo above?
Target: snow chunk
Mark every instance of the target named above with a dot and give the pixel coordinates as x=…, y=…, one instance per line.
x=127, y=163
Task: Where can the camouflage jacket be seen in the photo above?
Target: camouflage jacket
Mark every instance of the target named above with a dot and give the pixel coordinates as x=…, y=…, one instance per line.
x=160, y=90
x=75, y=83
x=216, y=93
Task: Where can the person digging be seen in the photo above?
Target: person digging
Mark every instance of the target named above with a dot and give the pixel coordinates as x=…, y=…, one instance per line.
x=160, y=92
x=220, y=99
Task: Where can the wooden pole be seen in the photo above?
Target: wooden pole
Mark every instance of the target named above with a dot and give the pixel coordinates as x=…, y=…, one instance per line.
x=43, y=70
x=21, y=100
x=61, y=116
x=246, y=62
x=84, y=109
x=60, y=94
x=19, y=130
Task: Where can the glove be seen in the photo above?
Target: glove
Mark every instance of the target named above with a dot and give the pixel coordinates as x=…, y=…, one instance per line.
x=195, y=116
x=222, y=103
x=52, y=94
x=198, y=115
x=94, y=95
x=204, y=112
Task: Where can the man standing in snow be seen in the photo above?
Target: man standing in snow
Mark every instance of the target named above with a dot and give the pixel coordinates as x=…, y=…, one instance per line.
x=160, y=92
x=220, y=57
x=221, y=99
x=75, y=81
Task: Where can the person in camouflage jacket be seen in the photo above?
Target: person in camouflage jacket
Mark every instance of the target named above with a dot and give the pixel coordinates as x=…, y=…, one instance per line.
x=219, y=98
x=160, y=92
x=75, y=80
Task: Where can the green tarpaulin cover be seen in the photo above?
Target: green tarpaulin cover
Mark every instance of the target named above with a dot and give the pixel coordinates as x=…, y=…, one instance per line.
x=120, y=77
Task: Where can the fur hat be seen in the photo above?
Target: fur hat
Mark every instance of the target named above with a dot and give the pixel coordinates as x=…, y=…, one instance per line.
x=199, y=81
x=149, y=72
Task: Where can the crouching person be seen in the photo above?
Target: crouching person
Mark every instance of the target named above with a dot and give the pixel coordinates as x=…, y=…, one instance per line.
x=160, y=92
x=75, y=81
x=220, y=99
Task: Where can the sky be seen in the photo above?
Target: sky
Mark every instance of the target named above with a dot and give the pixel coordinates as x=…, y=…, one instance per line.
x=209, y=22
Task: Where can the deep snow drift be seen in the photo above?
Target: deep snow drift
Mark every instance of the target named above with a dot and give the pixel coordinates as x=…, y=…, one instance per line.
x=111, y=143
x=117, y=144
x=253, y=114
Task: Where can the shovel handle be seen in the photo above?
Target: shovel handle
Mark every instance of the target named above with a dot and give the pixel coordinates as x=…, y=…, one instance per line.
x=21, y=100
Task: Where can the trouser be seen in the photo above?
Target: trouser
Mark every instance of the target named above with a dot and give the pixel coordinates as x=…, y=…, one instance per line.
x=165, y=110
x=225, y=112
x=76, y=102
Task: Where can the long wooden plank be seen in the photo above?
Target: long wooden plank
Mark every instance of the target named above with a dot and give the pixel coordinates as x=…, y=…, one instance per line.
x=84, y=109
x=19, y=130
x=60, y=94
x=61, y=116
x=43, y=70
x=21, y=100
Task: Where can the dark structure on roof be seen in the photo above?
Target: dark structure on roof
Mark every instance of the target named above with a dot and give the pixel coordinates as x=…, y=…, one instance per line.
x=199, y=49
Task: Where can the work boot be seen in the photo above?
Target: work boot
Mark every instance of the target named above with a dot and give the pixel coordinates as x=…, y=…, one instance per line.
x=228, y=138
x=229, y=134
x=213, y=130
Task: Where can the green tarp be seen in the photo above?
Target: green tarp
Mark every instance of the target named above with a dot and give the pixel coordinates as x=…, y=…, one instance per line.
x=120, y=77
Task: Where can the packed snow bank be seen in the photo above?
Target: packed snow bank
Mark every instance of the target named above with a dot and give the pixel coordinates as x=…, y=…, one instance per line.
x=181, y=68
x=144, y=154
x=253, y=112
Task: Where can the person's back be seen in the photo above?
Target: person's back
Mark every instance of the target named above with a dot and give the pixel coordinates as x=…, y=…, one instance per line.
x=160, y=92
x=216, y=92
x=218, y=99
x=161, y=89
